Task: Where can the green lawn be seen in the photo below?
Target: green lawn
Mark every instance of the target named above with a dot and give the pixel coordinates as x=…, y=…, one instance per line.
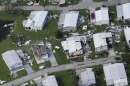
x=4, y=72
x=112, y=14
x=22, y=73
x=66, y=78
x=5, y=45
x=44, y=2
x=22, y=2
x=59, y=54
x=122, y=46
x=100, y=78
x=99, y=28
x=61, y=57
x=49, y=31
x=86, y=14
x=7, y=16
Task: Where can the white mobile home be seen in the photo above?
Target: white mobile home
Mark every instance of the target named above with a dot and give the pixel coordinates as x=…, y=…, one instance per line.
x=87, y=77
x=12, y=60
x=123, y=11
x=36, y=20
x=72, y=46
x=101, y=16
x=49, y=81
x=100, y=41
x=115, y=74
x=69, y=21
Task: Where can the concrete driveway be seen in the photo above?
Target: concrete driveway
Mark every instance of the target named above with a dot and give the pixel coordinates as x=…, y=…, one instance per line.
x=52, y=58
x=28, y=68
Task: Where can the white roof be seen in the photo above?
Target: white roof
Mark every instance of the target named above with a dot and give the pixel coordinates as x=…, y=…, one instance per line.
x=62, y=2
x=102, y=15
x=127, y=35
x=71, y=19
x=36, y=19
x=100, y=39
x=87, y=77
x=12, y=59
x=72, y=44
x=123, y=10
x=49, y=81
x=115, y=74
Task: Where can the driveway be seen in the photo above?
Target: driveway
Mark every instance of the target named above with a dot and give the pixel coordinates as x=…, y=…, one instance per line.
x=52, y=58
x=28, y=68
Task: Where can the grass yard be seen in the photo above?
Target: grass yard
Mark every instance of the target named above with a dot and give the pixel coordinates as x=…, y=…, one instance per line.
x=21, y=73
x=100, y=78
x=49, y=31
x=99, y=28
x=122, y=46
x=7, y=16
x=5, y=45
x=22, y=2
x=4, y=72
x=36, y=66
x=86, y=16
x=61, y=57
x=112, y=14
x=59, y=54
x=44, y=2
x=66, y=78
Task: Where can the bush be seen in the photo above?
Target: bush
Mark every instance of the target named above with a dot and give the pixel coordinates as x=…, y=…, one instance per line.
x=59, y=34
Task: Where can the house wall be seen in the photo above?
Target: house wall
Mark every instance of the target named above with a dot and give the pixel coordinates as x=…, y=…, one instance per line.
x=76, y=54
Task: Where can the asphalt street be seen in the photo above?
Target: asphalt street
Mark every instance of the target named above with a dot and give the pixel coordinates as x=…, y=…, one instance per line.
x=84, y=4
x=72, y=66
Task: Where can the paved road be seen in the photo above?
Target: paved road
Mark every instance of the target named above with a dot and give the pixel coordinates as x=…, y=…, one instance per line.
x=84, y=4
x=72, y=66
